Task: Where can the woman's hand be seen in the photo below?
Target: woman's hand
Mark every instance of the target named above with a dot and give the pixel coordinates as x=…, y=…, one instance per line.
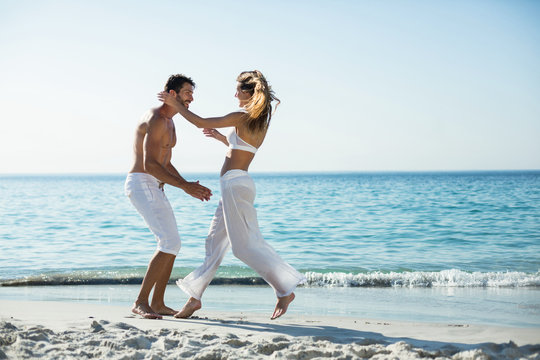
x=171, y=100
x=213, y=133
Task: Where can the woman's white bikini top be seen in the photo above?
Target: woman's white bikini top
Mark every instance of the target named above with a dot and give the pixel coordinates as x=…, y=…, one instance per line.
x=236, y=142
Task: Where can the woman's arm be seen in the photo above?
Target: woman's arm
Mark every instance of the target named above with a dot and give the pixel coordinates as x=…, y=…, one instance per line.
x=229, y=120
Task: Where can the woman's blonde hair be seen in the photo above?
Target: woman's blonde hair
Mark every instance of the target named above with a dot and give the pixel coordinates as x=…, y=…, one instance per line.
x=259, y=107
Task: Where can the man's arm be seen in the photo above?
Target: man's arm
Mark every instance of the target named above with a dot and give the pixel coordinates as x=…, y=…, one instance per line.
x=170, y=168
x=157, y=129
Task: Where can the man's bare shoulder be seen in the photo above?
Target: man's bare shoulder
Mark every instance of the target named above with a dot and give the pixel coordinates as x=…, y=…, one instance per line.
x=152, y=119
x=151, y=115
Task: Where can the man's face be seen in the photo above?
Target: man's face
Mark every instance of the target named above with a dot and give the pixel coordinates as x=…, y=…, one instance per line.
x=186, y=94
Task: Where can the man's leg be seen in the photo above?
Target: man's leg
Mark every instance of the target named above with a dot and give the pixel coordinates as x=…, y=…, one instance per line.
x=151, y=202
x=158, y=302
x=153, y=273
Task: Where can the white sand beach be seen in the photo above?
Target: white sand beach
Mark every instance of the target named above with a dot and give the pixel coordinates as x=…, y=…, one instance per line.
x=68, y=330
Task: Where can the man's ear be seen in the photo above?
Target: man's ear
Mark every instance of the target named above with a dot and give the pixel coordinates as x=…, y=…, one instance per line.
x=173, y=93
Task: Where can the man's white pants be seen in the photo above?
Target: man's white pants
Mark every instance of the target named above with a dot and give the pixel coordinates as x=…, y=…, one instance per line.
x=149, y=199
x=235, y=225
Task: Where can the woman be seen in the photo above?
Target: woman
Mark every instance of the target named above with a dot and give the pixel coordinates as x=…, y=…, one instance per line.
x=235, y=221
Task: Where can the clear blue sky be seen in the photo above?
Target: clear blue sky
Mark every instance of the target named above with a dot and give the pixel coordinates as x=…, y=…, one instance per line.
x=365, y=85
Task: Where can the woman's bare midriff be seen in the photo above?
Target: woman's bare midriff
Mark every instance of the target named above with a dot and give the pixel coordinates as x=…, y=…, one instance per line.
x=237, y=159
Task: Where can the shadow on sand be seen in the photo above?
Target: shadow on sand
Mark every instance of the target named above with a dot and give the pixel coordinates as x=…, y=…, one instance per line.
x=349, y=336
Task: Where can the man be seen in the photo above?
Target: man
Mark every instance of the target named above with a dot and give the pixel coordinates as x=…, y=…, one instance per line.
x=154, y=139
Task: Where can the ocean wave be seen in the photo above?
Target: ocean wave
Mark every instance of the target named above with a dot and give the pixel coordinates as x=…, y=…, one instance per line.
x=444, y=278
x=413, y=279
x=58, y=280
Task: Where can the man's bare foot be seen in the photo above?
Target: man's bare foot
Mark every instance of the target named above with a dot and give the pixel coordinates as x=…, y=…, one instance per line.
x=145, y=311
x=163, y=310
x=282, y=305
x=189, y=308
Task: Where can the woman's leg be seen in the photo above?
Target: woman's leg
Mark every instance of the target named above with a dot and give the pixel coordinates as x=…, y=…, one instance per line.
x=217, y=245
x=248, y=244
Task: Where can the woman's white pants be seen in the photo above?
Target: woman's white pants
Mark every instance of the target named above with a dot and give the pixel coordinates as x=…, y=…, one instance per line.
x=235, y=226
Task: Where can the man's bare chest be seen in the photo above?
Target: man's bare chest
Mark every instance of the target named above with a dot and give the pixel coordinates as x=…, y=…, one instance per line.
x=169, y=138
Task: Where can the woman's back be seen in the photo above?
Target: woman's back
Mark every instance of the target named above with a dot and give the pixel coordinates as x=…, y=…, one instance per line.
x=242, y=147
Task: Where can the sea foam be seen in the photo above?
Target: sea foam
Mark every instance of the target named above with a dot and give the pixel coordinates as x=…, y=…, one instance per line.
x=445, y=278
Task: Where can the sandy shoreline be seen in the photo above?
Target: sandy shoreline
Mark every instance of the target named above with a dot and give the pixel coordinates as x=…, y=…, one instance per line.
x=31, y=329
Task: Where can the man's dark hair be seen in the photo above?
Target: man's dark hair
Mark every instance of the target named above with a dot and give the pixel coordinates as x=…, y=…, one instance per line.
x=176, y=82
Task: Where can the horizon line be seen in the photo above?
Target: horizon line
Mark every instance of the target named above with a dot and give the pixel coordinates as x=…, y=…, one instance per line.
x=300, y=172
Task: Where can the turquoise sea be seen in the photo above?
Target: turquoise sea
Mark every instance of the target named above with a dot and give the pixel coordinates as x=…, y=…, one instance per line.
x=406, y=240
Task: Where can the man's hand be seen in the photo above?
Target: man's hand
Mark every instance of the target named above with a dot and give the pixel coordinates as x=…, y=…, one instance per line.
x=171, y=100
x=197, y=191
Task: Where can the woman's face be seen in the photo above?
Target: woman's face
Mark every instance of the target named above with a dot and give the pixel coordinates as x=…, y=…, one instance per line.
x=243, y=96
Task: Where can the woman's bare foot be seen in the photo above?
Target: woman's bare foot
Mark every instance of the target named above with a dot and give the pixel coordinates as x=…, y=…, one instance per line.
x=189, y=308
x=145, y=311
x=163, y=310
x=282, y=305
